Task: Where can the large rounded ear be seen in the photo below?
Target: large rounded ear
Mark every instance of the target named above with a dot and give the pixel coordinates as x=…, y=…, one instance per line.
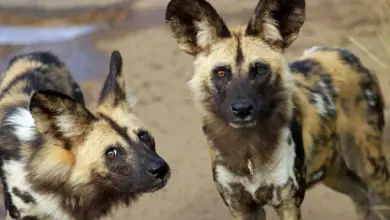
x=59, y=116
x=277, y=22
x=194, y=24
x=64, y=123
x=114, y=89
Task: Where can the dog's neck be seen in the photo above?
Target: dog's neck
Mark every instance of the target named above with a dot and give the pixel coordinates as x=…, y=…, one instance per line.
x=244, y=150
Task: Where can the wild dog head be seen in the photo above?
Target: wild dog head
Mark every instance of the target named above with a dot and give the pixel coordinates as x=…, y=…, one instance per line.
x=240, y=75
x=93, y=160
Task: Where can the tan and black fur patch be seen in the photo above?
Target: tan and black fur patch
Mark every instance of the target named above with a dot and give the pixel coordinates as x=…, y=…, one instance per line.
x=61, y=161
x=277, y=129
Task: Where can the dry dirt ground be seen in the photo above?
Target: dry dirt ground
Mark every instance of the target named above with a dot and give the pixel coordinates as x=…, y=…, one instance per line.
x=158, y=71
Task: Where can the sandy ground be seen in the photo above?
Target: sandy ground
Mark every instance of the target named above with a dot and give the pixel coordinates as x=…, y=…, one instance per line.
x=158, y=71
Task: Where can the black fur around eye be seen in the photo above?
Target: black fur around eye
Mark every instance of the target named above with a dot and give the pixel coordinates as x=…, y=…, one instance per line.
x=222, y=72
x=112, y=153
x=146, y=138
x=260, y=69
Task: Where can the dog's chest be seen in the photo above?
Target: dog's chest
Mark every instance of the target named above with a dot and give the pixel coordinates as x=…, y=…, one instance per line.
x=269, y=184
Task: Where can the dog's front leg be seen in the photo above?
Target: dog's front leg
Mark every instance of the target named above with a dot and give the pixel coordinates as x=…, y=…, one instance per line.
x=240, y=203
x=289, y=212
x=289, y=198
x=258, y=214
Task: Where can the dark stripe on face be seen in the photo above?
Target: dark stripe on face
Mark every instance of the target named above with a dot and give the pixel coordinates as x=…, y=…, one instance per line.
x=239, y=55
x=121, y=130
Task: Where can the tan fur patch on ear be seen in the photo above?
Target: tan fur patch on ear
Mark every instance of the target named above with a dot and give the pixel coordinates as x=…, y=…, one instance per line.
x=68, y=126
x=271, y=31
x=206, y=33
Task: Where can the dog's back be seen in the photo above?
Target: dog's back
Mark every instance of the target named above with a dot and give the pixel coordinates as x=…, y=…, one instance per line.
x=345, y=107
x=25, y=74
x=35, y=71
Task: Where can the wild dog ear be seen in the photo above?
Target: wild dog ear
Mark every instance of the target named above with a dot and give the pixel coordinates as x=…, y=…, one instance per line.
x=114, y=91
x=59, y=115
x=195, y=24
x=277, y=21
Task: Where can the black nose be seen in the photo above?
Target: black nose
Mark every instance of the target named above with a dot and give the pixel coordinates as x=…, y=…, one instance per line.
x=242, y=109
x=158, y=169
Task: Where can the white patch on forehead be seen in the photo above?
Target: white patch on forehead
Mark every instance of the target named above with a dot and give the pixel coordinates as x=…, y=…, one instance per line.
x=46, y=207
x=23, y=123
x=277, y=172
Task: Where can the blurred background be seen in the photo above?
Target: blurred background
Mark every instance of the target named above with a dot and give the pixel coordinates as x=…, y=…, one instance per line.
x=84, y=32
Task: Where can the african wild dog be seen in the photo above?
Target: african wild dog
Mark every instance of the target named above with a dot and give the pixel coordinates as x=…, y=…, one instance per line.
x=59, y=160
x=275, y=129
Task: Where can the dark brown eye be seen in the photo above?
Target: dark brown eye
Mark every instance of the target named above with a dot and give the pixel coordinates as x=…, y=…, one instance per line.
x=144, y=137
x=221, y=73
x=261, y=68
x=112, y=153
